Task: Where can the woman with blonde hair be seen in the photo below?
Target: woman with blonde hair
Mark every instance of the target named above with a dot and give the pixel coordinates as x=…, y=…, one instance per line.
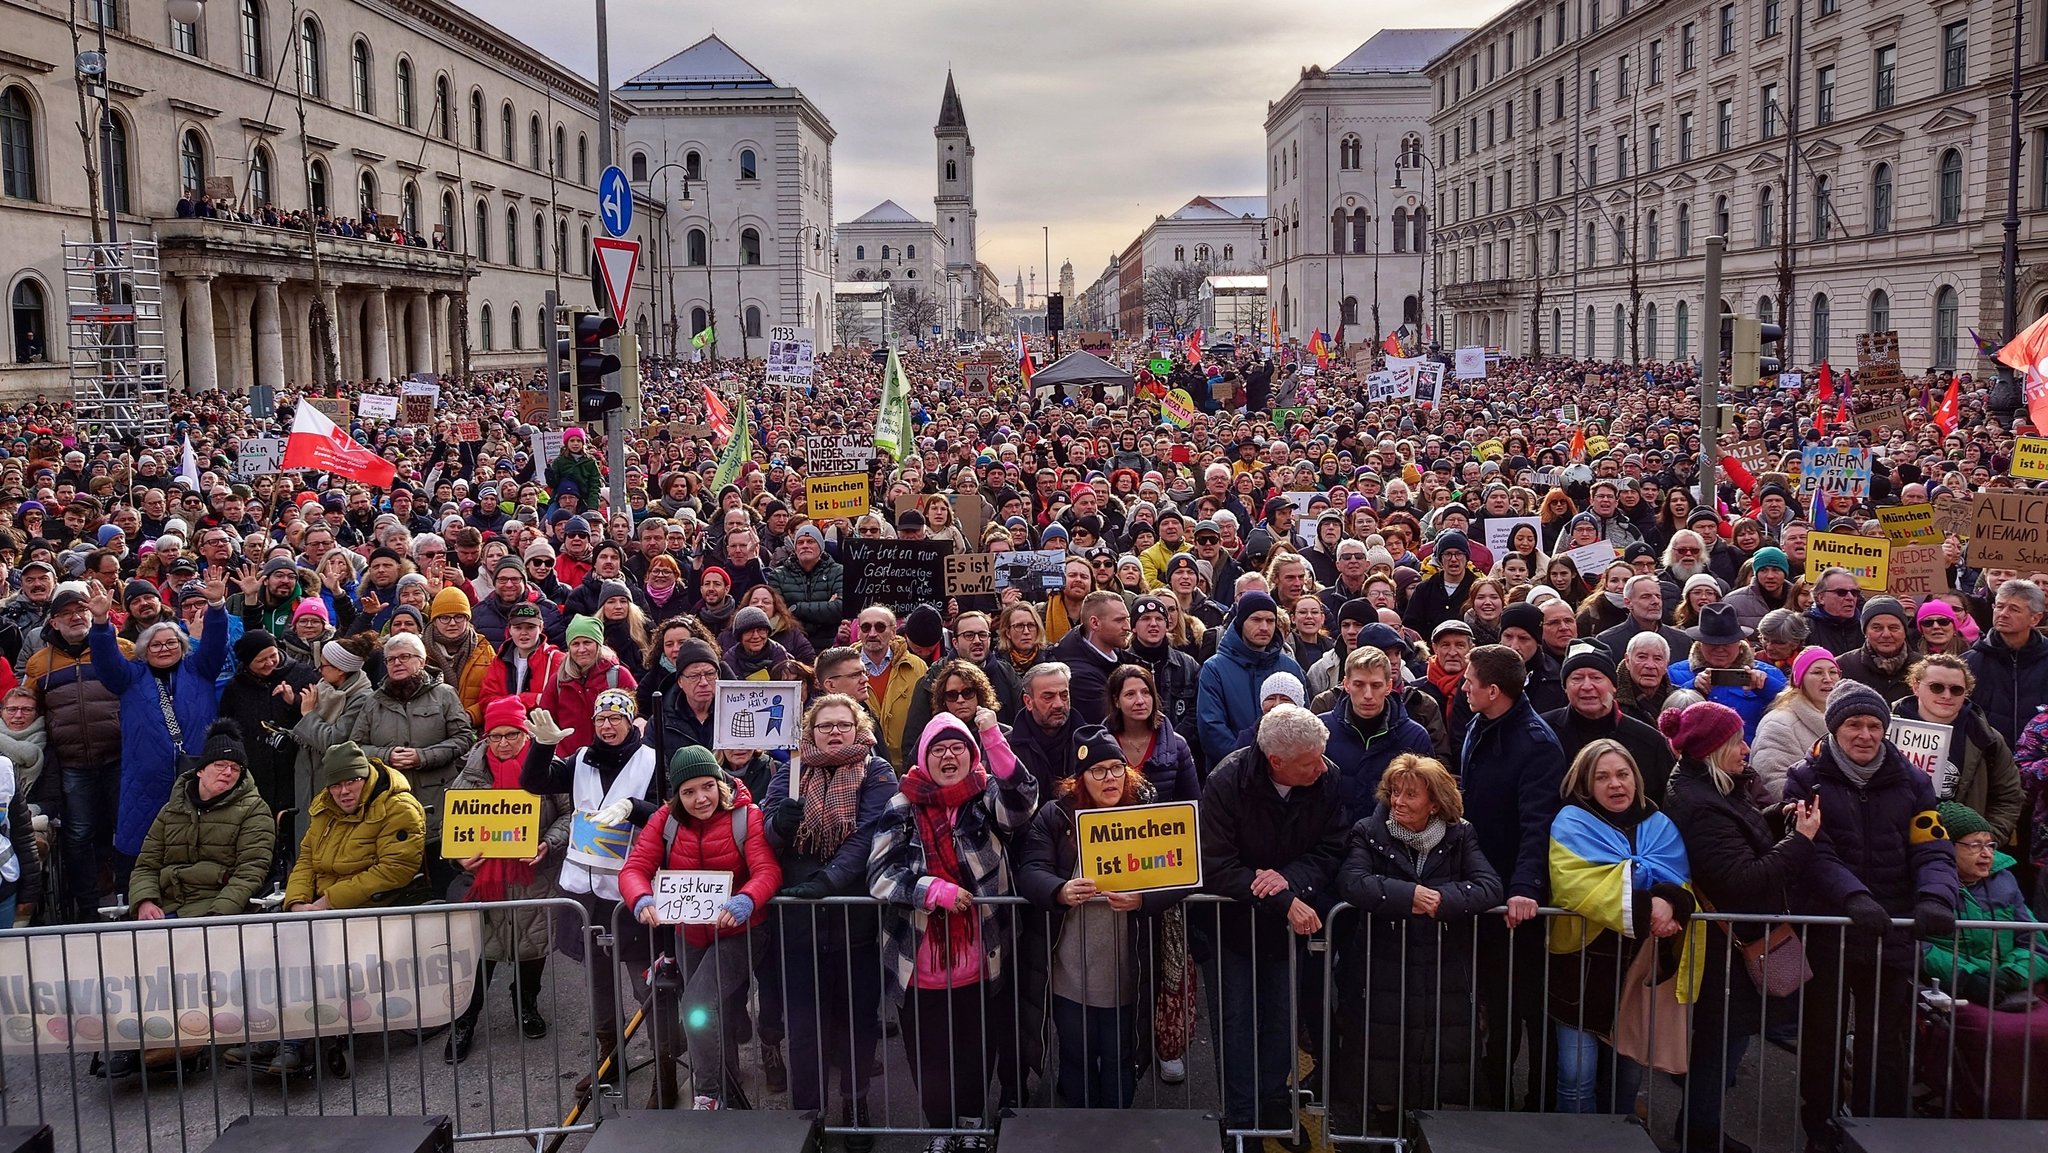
x=1416, y=876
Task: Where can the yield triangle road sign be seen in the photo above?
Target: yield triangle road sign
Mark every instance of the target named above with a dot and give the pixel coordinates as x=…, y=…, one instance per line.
x=616, y=261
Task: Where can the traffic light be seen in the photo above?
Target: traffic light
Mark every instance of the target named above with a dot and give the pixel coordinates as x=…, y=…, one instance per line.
x=561, y=346
x=1055, y=313
x=593, y=364
x=1771, y=349
x=1743, y=341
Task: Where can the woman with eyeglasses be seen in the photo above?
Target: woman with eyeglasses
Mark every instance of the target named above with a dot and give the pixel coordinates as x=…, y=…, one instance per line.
x=1939, y=629
x=823, y=836
x=520, y=938
x=1105, y=950
x=168, y=698
x=1991, y=969
x=940, y=844
x=1985, y=775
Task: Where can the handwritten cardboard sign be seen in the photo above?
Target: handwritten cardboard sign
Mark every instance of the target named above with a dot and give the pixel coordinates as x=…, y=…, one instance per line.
x=970, y=574
x=897, y=573
x=1917, y=570
x=1926, y=744
x=690, y=896
x=2010, y=530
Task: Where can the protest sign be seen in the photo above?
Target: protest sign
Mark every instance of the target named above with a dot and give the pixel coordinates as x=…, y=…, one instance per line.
x=1867, y=557
x=1591, y=559
x=1790, y=380
x=1177, y=408
x=2030, y=457
x=1877, y=361
x=977, y=377
x=1296, y=414
x=836, y=495
x=1029, y=570
x=2010, y=530
x=898, y=573
x=970, y=574
x=1470, y=363
x=1838, y=470
x=489, y=823
x=534, y=407
x=1141, y=848
x=335, y=408
x=1160, y=367
x=1379, y=387
x=469, y=430
x=1925, y=744
x=1917, y=570
x=1890, y=416
x=834, y=454
x=789, y=356
x=179, y=983
x=1499, y=529
x=761, y=714
x=1953, y=513
x=417, y=399
x=1429, y=383
x=1755, y=455
x=1908, y=522
x=258, y=456
x=374, y=406
x=690, y=896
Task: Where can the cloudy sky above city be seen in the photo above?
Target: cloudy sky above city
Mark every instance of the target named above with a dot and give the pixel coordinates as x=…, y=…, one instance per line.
x=1088, y=118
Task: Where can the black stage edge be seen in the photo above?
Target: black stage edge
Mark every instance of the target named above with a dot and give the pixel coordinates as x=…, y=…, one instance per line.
x=337, y=1134
x=27, y=1139
x=1446, y=1131
x=1919, y=1134
x=1109, y=1131
x=707, y=1131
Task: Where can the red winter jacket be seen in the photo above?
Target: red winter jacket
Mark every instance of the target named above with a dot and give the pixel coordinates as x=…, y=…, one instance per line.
x=571, y=700
x=705, y=845
x=541, y=672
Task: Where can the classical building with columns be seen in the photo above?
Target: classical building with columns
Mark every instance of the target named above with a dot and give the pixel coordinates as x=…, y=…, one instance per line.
x=418, y=115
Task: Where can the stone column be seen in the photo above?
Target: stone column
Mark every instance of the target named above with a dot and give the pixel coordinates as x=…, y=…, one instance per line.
x=201, y=373
x=376, y=335
x=174, y=359
x=420, y=325
x=241, y=340
x=269, y=358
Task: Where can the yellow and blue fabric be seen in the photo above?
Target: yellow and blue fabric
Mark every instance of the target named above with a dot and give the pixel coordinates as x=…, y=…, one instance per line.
x=1597, y=873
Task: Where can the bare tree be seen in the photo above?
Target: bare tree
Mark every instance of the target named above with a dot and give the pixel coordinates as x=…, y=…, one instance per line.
x=914, y=312
x=1173, y=295
x=853, y=321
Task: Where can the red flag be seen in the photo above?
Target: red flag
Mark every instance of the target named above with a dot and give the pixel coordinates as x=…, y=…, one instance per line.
x=1827, y=393
x=1739, y=474
x=1025, y=368
x=1319, y=349
x=316, y=443
x=1579, y=443
x=2028, y=353
x=1950, y=414
x=1195, y=346
x=717, y=415
x=1391, y=345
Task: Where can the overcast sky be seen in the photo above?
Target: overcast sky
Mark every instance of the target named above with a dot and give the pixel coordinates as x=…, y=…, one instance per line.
x=1090, y=118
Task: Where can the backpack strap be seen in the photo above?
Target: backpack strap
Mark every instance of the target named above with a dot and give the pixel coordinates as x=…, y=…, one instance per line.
x=739, y=834
x=611, y=677
x=739, y=830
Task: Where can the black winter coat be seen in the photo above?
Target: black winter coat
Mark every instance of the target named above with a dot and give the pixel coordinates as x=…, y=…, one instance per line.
x=1511, y=769
x=1089, y=688
x=1651, y=751
x=1407, y=1018
x=2011, y=685
x=1247, y=826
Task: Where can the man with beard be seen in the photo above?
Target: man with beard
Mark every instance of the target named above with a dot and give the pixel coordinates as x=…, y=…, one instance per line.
x=1173, y=671
x=268, y=597
x=1093, y=650
x=509, y=590
x=1769, y=587
x=1250, y=650
x=84, y=716
x=144, y=607
x=1684, y=558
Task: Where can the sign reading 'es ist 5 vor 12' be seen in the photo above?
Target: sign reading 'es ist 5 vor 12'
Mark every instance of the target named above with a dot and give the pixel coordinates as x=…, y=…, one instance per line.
x=1139, y=848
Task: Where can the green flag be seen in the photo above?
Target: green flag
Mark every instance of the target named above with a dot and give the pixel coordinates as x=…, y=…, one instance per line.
x=705, y=338
x=892, y=418
x=738, y=450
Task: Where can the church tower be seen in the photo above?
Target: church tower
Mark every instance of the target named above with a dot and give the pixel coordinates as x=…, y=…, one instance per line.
x=954, y=206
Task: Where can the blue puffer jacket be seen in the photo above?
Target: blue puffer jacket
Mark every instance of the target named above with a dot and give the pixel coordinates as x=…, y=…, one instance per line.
x=1874, y=839
x=2011, y=686
x=1228, y=699
x=149, y=762
x=1511, y=771
x=1751, y=704
x=1363, y=749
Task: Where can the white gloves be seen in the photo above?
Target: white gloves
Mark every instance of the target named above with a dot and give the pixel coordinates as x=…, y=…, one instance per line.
x=614, y=813
x=544, y=729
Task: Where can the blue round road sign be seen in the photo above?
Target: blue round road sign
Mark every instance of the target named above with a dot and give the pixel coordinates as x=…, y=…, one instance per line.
x=614, y=201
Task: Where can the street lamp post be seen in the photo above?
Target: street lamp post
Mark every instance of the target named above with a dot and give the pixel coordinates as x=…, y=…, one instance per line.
x=818, y=246
x=1416, y=158
x=710, y=301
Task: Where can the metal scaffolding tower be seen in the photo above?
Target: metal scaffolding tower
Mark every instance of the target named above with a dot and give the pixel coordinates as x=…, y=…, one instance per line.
x=113, y=296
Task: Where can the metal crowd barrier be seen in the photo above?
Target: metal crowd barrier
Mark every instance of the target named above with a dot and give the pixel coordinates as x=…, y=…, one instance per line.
x=1278, y=1034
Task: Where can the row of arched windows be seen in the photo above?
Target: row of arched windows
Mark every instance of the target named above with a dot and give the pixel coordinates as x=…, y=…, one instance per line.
x=1820, y=321
x=693, y=165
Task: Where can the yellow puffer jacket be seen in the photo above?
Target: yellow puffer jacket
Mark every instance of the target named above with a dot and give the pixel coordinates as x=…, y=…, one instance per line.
x=353, y=858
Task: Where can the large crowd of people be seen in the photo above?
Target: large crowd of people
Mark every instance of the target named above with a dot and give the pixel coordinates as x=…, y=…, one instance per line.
x=1365, y=640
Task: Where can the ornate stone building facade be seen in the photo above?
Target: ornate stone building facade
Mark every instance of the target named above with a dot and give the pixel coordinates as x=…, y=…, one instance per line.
x=1854, y=155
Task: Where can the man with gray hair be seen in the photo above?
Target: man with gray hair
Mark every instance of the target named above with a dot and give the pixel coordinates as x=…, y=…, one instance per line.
x=2010, y=661
x=1835, y=622
x=1043, y=737
x=1644, y=595
x=1272, y=838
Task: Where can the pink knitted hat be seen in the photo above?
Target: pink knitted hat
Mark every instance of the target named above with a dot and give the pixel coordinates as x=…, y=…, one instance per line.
x=1808, y=657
